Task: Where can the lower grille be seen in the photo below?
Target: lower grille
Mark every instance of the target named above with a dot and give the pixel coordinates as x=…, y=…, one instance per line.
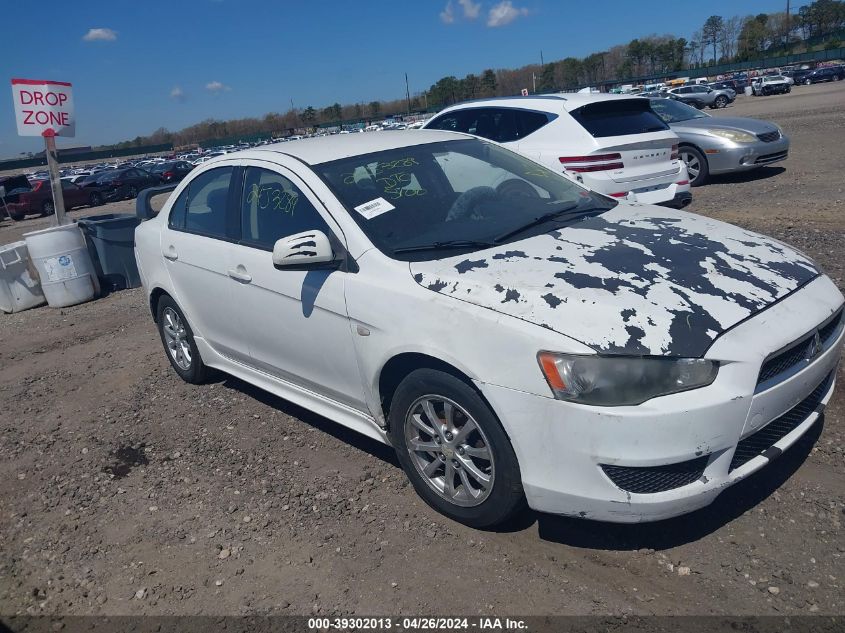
x=761, y=442
x=769, y=137
x=651, y=479
x=770, y=158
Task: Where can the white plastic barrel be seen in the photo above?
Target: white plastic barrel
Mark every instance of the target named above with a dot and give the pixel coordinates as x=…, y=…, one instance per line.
x=64, y=265
x=19, y=288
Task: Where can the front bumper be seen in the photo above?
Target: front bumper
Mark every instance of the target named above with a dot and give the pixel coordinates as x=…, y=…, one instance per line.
x=566, y=451
x=742, y=157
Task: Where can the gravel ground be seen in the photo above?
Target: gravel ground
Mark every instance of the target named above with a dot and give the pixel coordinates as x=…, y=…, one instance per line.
x=124, y=490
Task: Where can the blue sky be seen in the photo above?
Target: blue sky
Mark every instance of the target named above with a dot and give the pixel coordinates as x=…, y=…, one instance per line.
x=151, y=63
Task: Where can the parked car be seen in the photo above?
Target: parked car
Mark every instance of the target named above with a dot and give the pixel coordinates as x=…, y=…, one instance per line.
x=39, y=199
x=719, y=145
x=172, y=171
x=770, y=85
x=705, y=95
x=831, y=73
x=122, y=184
x=613, y=144
x=797, y=76
x=76, y=178
x=736, y=85
x=516, y=339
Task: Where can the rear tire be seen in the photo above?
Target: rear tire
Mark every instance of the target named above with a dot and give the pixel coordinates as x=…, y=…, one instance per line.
x=178, y=340
x=697, y=166
x=462, y=441
x=721, y=102
x=133, y=191
x=48, y=208
x=96, y=200
x=807, y=82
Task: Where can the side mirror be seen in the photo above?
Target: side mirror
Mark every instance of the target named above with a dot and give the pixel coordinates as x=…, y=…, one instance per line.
x=309, y=249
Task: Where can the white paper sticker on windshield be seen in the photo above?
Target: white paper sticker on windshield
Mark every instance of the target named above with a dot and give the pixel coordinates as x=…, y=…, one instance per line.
x=374, y=207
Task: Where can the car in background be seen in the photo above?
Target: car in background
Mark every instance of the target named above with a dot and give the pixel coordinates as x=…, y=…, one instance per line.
x=770, y=85
x=720, y=145
x=627, y=362
x=705, y=95
x=76, y=178
x=172, y=171
x=39, y=199
x=122, y=184
x=736, y=85
x=820, y=75
x=613, y=144
x=797, y=76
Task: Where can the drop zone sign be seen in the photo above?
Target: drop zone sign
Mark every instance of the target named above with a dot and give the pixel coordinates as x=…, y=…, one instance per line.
x=43, y=108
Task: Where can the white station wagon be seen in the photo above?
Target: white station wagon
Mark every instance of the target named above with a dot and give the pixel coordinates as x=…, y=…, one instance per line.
x=514, y=336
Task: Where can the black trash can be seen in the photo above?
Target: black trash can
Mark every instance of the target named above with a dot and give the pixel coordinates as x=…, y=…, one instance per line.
x=111, y=242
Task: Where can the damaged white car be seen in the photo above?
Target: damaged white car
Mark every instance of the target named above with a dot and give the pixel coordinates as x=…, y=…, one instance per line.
x=515, y=337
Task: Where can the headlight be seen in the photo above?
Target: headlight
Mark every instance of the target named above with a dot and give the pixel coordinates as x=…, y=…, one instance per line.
x=736, y=136
x=611, y=381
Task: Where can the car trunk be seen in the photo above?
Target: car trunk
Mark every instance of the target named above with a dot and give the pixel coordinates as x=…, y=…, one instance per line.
x=631, y=141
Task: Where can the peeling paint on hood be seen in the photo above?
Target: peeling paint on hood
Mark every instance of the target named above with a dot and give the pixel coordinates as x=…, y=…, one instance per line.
x=638, y=279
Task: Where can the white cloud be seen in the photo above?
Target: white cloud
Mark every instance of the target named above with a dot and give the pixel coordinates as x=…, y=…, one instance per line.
x=216, y=86
x=447, y=16
x=471, y=9
x=504, y=13
x=100, y=35
x=177, y=94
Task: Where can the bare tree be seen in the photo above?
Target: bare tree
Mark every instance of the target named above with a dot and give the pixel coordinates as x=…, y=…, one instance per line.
x=728, y=36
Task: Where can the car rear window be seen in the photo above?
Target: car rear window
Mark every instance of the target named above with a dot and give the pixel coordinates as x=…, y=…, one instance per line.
x=618, y=118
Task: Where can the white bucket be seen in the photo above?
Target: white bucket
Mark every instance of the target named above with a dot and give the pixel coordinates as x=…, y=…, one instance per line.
x=19, y=287
x=64, y=265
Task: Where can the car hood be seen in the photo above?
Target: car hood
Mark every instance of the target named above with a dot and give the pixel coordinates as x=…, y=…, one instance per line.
x=638, y=279
x=754, y=126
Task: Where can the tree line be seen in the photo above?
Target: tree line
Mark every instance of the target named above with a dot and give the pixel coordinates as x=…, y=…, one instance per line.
x=719, y=40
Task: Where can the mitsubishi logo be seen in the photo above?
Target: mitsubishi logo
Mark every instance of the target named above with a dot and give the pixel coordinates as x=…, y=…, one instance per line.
x=814, y=348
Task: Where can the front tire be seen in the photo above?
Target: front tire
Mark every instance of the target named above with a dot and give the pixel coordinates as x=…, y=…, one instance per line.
x=721, y=102
x=48, y=208
x=178, y=340
x=696, y=163
x=133, y=192
x=807, y=82
x=96, y=200
x=453, y=449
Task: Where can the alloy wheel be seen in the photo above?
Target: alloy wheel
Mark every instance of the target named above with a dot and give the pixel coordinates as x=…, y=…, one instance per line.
x=176, y=338
x=449, y=450
x=692, y=163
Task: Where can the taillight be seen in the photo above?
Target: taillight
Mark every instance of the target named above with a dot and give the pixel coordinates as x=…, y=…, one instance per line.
x=168, y=174
x=597, y=162
x=675, y=153
x=619, y=194
x=37, y=185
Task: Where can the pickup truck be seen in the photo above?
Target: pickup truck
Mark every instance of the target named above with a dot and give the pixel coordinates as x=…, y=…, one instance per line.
x=770, y=85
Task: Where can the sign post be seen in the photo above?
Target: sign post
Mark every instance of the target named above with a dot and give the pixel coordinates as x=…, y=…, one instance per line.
x=45, y=108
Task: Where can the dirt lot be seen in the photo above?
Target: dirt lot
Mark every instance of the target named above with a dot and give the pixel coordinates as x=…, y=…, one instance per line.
x=124, y=490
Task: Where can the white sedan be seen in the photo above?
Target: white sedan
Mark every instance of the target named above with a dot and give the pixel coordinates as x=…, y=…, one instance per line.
x=514, y=336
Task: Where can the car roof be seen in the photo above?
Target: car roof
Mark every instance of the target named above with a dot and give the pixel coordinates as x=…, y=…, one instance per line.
x=546, y=102
x=323, y=149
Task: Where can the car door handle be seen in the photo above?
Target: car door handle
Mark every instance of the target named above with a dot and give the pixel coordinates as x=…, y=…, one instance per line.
x=171, y=254
x=239, y=276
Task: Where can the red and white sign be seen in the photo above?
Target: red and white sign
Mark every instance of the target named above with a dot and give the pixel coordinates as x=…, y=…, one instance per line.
x=44, y=108
x=525, y=92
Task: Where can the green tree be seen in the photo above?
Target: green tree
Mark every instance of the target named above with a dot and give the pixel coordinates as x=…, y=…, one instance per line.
x=547, y=79
x=309, y=115
x=488, y=83
x=375, y=108
x=712, y=31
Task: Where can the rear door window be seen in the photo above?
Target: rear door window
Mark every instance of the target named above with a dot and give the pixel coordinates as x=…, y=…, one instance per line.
x=618, y=118
x=203, y=207
x=503, y=125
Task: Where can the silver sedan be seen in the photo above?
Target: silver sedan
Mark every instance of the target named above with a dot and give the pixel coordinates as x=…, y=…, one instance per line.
x=718, y=145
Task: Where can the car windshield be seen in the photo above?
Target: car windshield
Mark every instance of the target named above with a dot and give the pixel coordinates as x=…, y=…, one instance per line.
x=672, y=111
x=435, y=200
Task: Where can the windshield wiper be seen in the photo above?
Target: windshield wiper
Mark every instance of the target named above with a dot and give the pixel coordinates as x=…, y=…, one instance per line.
x=546, y=217
x=436, y=246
